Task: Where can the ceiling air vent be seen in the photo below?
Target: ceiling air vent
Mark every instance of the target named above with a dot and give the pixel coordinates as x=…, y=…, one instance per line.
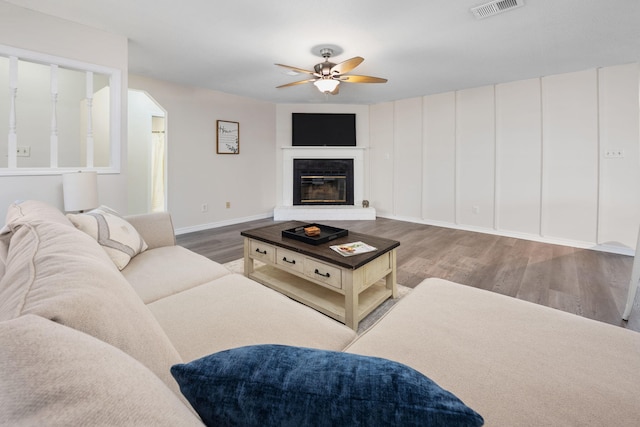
x=495, y=7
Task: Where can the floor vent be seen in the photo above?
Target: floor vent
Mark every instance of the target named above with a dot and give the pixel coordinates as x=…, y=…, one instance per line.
x=495, y=7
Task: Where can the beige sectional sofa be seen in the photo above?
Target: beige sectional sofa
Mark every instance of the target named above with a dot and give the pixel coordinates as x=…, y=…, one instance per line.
x=82, y=342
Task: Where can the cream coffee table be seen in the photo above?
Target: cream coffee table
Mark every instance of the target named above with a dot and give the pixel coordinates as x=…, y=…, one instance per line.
x=344, y=288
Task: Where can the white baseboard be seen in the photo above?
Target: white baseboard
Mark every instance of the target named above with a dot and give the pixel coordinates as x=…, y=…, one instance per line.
x=208, y=226
x=323, y=213
x=621, y=250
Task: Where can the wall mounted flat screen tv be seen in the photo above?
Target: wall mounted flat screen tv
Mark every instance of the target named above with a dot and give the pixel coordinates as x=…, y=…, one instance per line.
x=323, y=129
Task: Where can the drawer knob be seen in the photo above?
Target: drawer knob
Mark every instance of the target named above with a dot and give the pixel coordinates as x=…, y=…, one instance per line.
x=286, y=260
x=321, y=274
x=261, y=252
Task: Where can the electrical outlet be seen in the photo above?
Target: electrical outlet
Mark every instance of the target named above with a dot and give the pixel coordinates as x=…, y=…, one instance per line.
x=613, y=153
x=228, y=205
x=24, y=151
x=476, y=209
x=204, y=208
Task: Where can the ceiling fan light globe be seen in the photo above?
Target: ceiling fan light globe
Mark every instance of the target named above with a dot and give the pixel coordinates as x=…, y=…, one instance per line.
x=326, y=85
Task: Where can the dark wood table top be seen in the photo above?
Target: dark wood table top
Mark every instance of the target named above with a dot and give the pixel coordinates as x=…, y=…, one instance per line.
x=272, y=234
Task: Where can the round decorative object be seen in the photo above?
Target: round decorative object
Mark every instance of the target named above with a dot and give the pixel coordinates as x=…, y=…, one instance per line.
x=365, y=203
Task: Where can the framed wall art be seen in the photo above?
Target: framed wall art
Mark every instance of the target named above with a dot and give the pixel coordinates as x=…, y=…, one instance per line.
x=228, y=137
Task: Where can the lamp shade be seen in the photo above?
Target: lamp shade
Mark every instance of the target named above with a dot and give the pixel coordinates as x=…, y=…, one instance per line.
x=326, y=85
x=80, y=191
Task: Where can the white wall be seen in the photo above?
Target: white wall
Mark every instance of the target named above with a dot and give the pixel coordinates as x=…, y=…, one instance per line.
x=439, y=157
x=407, y=156
x=382, y=158
x=518, y=156
x=475, y=157
x=25, y=29
x=619, y=185
x=570, y=156
x=524, y=159
x=196, y=174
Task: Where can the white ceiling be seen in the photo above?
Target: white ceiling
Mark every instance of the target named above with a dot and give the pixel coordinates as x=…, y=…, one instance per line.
x=421, y=46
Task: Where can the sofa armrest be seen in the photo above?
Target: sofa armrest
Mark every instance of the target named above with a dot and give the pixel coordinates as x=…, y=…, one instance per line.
x=155, y=228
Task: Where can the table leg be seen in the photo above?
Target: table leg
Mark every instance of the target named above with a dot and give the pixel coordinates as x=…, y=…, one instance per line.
x=248, y=261
x=391, y=277
x=351, y=301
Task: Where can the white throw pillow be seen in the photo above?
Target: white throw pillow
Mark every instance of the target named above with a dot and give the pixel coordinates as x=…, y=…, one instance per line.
x=118, y=238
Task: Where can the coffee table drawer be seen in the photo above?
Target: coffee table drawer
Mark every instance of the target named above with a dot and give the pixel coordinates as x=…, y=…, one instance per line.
x=322, y=272
x=263, y=251
x=290, y=260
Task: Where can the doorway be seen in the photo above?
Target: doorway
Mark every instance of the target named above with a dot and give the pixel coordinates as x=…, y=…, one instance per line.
x=146, y=154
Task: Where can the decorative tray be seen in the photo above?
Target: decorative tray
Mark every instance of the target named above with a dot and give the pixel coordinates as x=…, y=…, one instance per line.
x=327, y=234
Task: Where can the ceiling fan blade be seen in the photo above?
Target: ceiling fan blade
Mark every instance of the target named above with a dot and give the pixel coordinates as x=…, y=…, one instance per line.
x=296, y=83
x=346, y=66
x=362, y=79
x=296, y=69
x=335, y=91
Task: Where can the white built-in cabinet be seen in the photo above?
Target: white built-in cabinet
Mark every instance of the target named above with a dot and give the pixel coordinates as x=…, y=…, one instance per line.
x=527, y=158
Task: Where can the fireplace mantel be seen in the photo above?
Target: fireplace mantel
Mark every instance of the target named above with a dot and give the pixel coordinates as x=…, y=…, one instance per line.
x=287, y=211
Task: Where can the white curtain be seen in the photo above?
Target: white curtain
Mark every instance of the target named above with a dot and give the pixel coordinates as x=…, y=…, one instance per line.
x=157, y=172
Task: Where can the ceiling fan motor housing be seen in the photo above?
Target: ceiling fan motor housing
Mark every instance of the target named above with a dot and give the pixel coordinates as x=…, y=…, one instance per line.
x=324, y=68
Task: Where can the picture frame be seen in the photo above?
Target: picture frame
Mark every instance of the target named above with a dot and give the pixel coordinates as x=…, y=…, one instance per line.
x=227, y=137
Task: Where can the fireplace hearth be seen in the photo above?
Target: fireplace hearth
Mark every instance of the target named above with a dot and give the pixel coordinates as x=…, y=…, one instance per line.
x=322, y=182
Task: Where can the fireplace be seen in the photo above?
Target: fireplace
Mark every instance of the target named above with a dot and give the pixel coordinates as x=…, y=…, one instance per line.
x=285, y=209
x=322, y=182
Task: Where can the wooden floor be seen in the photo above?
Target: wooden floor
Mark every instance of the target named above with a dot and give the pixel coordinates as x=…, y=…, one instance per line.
x=585, y=282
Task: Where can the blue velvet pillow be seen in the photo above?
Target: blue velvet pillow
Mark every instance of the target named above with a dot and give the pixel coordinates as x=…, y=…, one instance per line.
x=276, y=385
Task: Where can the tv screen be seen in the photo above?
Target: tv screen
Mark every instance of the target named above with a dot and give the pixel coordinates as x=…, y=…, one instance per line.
x=320, y=129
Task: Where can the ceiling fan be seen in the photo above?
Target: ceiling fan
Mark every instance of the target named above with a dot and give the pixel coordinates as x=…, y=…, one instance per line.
x=327, y=75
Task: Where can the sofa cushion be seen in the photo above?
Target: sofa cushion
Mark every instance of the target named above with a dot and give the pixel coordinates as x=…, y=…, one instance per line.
x=515, y=362
x=33, y=211
x=4, y=249
x=54, y=375
x=118, y=238
x=235, y=311
x=60, y=273
x=274, y=385
x=158, y=273
x=155, y=228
